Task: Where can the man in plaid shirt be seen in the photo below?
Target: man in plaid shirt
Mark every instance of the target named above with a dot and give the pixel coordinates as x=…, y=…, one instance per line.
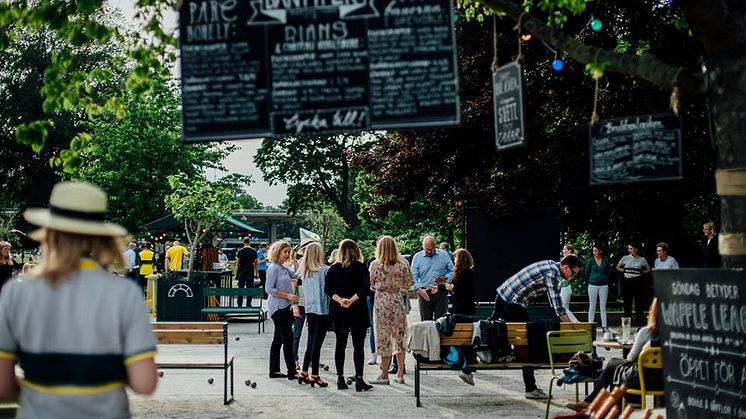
x=531, y=282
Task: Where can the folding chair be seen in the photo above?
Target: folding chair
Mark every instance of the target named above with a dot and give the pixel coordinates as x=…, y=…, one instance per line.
x=566, y=342
x=651, y=358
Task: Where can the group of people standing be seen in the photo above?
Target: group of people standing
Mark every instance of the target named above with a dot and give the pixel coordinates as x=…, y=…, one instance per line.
x=335, y=298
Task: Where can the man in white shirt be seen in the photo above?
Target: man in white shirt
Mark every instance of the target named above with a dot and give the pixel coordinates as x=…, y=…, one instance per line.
x=130, y=259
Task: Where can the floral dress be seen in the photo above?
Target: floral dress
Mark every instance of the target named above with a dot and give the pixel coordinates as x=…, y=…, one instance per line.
x=390, y=283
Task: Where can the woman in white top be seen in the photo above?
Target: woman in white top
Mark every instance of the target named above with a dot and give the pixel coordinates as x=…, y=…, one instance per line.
x=633, y=266
x=664, y=261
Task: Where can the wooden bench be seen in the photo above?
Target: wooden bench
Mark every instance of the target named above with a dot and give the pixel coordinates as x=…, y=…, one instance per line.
x=197, y=333
x=462, y=336
x=227, y=297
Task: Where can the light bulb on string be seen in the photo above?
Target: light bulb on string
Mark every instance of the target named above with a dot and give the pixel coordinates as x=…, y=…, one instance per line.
x=526, y=37
x=596, y=25
x=558, y=65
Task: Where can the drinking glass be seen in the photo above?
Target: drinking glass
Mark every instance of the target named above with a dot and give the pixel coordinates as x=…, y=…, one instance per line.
x=626, y=329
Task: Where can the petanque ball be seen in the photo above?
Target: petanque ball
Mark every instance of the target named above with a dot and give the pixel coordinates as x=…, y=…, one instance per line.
x=326, y=368
x=253, y=385
x=160, y=373
x=349, y=381
x=238, y=338
x=247, y=382
x=210, y=381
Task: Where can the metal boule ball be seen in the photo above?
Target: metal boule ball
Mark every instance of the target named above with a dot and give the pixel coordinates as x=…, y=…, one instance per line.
x=210, y=381
x=160, y=373
x=253, y=385
x=247, y=382
x=326, y=368
x=238, y=338
x=349, y=381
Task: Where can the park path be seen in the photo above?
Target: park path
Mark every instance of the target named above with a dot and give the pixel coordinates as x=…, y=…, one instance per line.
x=187, y=394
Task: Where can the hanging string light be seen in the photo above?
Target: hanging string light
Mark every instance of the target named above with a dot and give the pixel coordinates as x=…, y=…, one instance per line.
x=526, y=37
x=596, y=25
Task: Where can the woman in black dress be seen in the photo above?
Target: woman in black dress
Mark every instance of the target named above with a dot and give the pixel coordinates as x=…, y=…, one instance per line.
x=347, y=285
x=8, y=266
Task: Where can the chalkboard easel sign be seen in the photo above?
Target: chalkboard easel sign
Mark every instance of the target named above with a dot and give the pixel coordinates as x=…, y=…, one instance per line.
x=260, y=68
x=702, y=329
x=507, y=92
x=635, y=149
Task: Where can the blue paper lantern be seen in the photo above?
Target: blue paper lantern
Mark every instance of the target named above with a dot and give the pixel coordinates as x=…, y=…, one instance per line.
x=596, y=25
x=558, y=65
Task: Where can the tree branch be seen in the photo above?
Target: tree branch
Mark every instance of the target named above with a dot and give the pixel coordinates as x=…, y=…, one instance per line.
x=645, y=66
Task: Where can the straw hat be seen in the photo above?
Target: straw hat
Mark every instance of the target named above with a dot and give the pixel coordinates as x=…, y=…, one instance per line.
x=74, y=207
x=307, y=237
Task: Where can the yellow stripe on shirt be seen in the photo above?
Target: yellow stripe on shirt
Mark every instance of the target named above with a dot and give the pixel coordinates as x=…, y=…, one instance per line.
x=8, y=355
x=139, y=357
x=72, y=390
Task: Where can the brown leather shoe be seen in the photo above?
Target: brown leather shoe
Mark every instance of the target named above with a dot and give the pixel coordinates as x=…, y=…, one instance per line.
x=578, y=406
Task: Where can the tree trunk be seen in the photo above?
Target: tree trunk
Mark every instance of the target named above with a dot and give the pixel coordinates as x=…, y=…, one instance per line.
x=194, y=238
x=720, y=29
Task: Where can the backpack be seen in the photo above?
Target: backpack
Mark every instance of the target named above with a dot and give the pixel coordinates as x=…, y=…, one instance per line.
x=455, y=358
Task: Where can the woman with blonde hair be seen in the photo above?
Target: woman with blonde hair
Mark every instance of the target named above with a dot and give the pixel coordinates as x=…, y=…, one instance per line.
x=313, y=273
x=347, y=284
x=390, y=279
x=280, y=297
x=8, y=266
x=79, y=333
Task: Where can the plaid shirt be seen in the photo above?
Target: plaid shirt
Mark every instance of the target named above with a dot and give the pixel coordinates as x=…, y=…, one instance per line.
x=533, y=281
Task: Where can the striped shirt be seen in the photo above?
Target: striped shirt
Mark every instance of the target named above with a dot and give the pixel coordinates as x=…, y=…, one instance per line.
x=532, y=282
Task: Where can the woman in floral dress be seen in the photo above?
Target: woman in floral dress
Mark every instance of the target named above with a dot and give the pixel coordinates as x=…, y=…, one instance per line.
x=390, y=279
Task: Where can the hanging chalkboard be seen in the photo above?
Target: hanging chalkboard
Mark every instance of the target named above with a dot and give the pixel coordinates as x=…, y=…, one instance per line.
x=507, y=92
x=297, y=67
x=702, y=326
x=636, y=149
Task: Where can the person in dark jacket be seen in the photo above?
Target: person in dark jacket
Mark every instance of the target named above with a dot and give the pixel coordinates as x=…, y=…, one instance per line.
x=347, y=285
x=710, y=251
x=462, y=288
x=8, y=266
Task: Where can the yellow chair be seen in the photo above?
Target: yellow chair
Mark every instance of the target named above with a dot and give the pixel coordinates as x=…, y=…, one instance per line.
x=566, y=342
x=651, y=358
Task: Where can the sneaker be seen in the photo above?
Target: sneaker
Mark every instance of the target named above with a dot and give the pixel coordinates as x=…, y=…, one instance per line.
x=578, y=406
x=537, y=394
x=399, y=380
x=373, y=359
x=380, y=380
x=468, y=378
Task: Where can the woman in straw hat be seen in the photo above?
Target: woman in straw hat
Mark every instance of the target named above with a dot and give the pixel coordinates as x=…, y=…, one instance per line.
x=79, y=333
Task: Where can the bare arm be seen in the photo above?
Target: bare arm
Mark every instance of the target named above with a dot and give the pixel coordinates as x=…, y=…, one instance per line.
x=142, y=376
x=9, y=388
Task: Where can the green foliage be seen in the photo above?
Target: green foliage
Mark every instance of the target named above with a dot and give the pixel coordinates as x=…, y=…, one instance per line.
x=330, y=226
x=200, y=205
x=316, y=169
x=132, y=158
x=596, y=70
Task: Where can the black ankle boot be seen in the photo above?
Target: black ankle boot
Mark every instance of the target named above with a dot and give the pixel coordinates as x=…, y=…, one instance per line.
x=341, y=383
x=361, y=385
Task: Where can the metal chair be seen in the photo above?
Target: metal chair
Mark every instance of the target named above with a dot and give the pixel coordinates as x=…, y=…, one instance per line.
x=650, y=358
x=566, y=342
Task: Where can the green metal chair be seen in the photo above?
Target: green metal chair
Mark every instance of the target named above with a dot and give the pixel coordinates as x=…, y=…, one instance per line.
x=566, y=342
x=650, y=358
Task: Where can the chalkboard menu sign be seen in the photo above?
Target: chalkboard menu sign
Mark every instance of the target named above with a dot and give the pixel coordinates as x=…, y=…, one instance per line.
x=292, y=67
x=635, y=149
x=702, y=321
x=507, y=91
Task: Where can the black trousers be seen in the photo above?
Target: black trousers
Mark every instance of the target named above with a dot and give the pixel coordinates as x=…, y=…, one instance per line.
x=262, y=281
x=358, y=343
x=318, y=324
x=634, y=289
x=283, y=321
x=435, y=308
x=245, y=280
x=514, y=313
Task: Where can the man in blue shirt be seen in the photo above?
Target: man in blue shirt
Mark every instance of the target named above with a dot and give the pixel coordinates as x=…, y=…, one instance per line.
x=531, y=282
x=431, y=267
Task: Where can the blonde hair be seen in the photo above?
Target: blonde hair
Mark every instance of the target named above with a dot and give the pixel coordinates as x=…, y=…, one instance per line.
x=333, y=256
x=277, y=247
x=387, y=252
x=348, y=253
x=3, y=260
x=61, y=253
x=312, y=260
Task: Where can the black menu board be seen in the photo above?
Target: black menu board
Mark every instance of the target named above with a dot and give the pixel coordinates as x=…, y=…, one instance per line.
x=702, y=329
x=507, y=95
x=293, y=67
x=636, y=149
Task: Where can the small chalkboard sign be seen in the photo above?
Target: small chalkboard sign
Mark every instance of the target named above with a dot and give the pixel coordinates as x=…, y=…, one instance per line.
x=289, y=67
x=635, y=149
x=702, y=329
x=507, y=92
